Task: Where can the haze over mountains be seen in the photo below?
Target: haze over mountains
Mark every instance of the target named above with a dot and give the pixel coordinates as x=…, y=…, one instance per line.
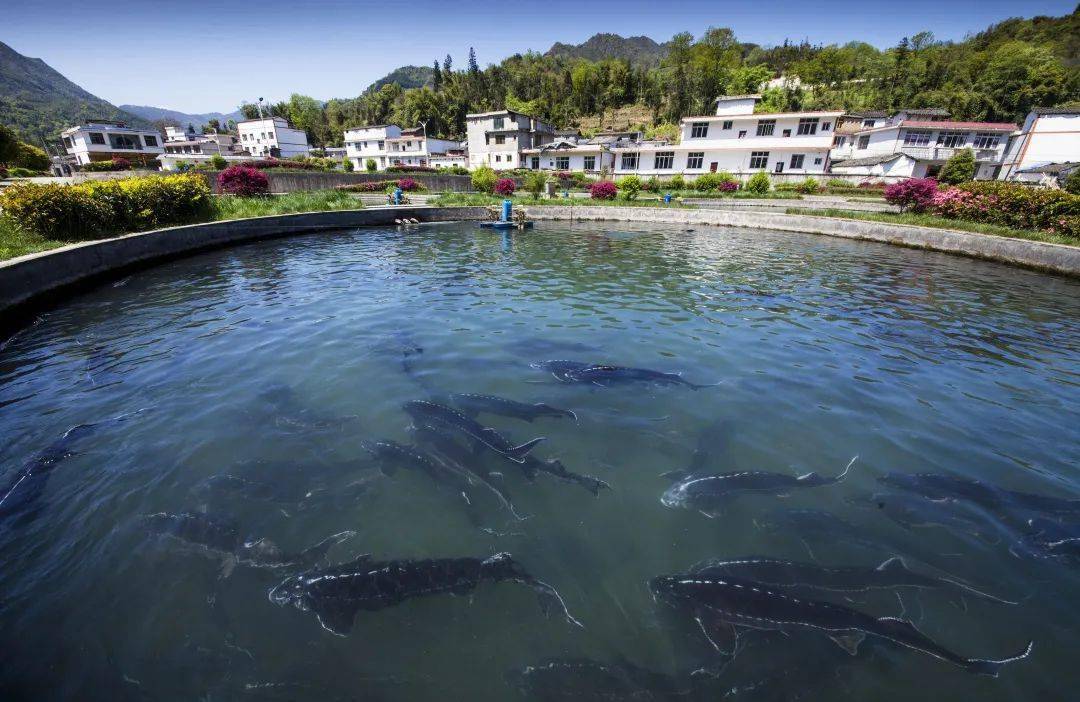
x=184, y=118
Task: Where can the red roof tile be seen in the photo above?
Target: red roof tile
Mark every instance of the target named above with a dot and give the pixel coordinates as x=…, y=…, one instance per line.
x=994, y=126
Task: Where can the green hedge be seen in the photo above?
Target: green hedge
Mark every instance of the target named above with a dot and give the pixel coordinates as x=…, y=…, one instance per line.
x=96, y=209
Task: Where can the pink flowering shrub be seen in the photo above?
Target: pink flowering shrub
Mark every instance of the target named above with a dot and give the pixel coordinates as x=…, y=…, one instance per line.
x=409, y=185
x=243, y=181
x=727, y=186
x=1011, y=205
x=505, y=186
x=913, y=194
x=603, y=190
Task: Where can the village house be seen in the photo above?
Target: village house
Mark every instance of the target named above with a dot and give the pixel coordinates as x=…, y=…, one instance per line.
x=915, y=143
x=788, y=145
x=271, y=137
x=498, y=139
x=105, y=140
x=390, y=145
x=1045, y=148
x=188, y=146
x=570, y=152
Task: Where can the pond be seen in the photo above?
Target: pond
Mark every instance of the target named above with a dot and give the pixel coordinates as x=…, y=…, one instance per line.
x=197, y=456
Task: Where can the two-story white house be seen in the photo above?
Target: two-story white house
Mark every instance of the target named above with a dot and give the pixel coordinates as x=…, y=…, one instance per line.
x=916, y=144
x=390, y=145
x=272, y=137
x=739, y=141
x=497, y=139
x=104, y=140
x=1047, y=143
x=570, y=152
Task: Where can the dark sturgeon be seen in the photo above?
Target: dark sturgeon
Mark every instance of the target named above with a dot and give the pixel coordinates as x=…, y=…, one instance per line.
x=423, y=412
x=1049, y=539
x=603, y=375
x=337, y=593
x=803, y=577
x=555, y=468
x=937, y=486
x=471, y=403
x=915, y=512
x=391, y=455
x=710, y=493
x=722, y=605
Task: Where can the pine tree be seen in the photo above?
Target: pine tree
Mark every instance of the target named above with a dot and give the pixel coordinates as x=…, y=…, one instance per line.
x=447, y=65
x=436, y=76
x=474, y=67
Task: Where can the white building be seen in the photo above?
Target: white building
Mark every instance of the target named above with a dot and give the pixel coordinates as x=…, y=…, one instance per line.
x=739, y=141
x=104, y=140
x=390, y=145
x=453, y=158
x=916, y=144
x=497, y=139
x=1050, y=136
x=570, y=152
x=180, y=141
x=272, y=137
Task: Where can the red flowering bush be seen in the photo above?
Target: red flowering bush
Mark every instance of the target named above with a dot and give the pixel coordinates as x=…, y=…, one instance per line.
x=913, y=194
x=727, y=186
x=369, y=186
x=505, y=186
x=603, y=190
x=409, y=185
x=243, y=181
x=1011, y=205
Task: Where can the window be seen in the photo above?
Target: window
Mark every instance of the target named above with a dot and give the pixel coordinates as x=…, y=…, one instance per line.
x=629, y=162
x=728, y=124
x=67, y=143
x=864, y=141
x=797, y=161
x=766, y=127
x=787, y=132
x=695, y=159
x=562, y=163
x=500, y=139
x=840, y=141
x=124, y=141
x=986, y=141
x=817, y=161
x=759, y=159
x=916, y=138
x=509, y=158
x=97, y=138
x=498, y=123
x=590, y=163
x=498, y=158
x=808, y=125
x=382, y=146
x=779, y=167
x=825, y=126
x=950, y=140
x=150, y=140
x=699, y=130
x=664, y=160
x=535, y=162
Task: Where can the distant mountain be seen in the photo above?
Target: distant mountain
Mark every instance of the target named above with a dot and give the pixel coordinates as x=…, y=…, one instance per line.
x=184, y=118
x=38, y=103
x=407, y=77
x=640, y=51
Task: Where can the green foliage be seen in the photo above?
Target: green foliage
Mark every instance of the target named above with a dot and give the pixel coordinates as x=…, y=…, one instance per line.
x=484, y=179
x=809, y=186
x=218, y=162
x=1072, y=182
x=1011, y=205
x=960, y=168
x=711, y=182
x=677, y=182
x=305, y=201
x=629, y=186
x=668, y=131
x=535, y=182
x=20, y=155
x=759, y=183
x=100, y=208
x=346, y=164
x=653, y=184
x=370, y=165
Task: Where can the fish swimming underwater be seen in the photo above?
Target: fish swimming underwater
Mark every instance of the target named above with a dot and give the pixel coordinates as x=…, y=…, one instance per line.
x=555, y=468
x=604, y=375
x=723, y=606
x=391, y=455
x=471, y=403
x=709, y=494
x=423, y=412
x=560, y=369
x=336, y=594
x=914, y=512
x=796, y=576
x=1046, y=538
x=937, y=486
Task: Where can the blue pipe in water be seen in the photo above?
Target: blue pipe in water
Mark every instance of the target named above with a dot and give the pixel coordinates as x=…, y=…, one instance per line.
x=507, y=210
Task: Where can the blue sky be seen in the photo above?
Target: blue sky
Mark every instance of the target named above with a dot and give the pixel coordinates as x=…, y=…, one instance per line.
x=199, y=56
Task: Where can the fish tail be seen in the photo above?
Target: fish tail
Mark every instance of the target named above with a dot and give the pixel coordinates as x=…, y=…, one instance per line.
x=981, y=666
x=571, y=414
x=524, y=449
x=696, y=386
x=846, y=469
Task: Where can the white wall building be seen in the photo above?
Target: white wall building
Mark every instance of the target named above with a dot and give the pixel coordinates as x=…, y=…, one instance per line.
x=271, y=137
x=925, y=138
x=570, y=152
x=452, y=158
x=1049, y=136
x=497, y=139
x=180, y=141
x=738, y=141
x=390, y=145
x=104, y=140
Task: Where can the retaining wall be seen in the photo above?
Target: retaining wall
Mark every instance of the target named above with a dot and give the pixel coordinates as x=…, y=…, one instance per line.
x=295, y=181
x=36, y=277
x=1056, y=258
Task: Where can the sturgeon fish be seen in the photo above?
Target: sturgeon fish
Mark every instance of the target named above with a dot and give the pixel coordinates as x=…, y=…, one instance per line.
x=424, y=412
x=554, y=467
x=1049, y=539
x=724, y=605
x=602, y=374
x=804, y=577
x=710, y=493
x=472, y=403
x=336, y=594
x=914, y=512
x=937, y=486
x=391, y=455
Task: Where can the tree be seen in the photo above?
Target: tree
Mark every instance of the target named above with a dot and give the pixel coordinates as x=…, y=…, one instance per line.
x=1071, y=183
x=212, y=126
x=436, y=75
x=474, y=67
x=535, y=182
x=960, y=168
x=447, y=65
x=484, y=178
x=9, y=145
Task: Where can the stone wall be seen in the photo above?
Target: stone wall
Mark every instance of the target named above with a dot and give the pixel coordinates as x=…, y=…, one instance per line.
x=295, y=181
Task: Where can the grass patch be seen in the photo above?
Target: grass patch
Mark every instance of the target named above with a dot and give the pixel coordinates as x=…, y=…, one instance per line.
x=14, y=242
x=228, y=207
x=925, y=220
x=481, y=200
x=740, y=195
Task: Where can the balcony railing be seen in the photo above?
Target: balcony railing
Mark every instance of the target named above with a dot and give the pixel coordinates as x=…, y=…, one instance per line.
x=943, y=153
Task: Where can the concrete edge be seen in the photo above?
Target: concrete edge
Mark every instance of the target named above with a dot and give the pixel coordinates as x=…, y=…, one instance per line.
x=1036, y=255
x=29, y=281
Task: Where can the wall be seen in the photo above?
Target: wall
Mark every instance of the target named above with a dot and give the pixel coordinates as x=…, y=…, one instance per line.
x=294, y=181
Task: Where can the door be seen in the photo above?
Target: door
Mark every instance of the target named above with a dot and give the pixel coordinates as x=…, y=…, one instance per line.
x=713, y=166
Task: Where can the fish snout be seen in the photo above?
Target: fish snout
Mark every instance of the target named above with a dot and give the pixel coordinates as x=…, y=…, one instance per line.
x=288, y=592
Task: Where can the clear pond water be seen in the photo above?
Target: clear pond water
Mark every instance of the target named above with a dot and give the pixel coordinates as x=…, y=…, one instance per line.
x=273, y=362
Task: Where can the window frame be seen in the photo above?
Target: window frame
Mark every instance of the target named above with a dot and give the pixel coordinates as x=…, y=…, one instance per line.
x=986, y=140
x=588, y=163
x=150, y=140
x=693, y=156
x=917, y=137
x=951, y=139
x=699, y=130
x=660, y=158
x=766, y=127
x=629, y=161
x=761, y=158
x=863, y=143
x=808, y=126
x=727, y=124
x=797, y=165
x=562, y=163
x=97, y=138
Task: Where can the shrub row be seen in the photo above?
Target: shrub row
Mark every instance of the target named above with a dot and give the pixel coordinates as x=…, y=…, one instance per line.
x=116, y=164
x=378, y=186
x=96, y=209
